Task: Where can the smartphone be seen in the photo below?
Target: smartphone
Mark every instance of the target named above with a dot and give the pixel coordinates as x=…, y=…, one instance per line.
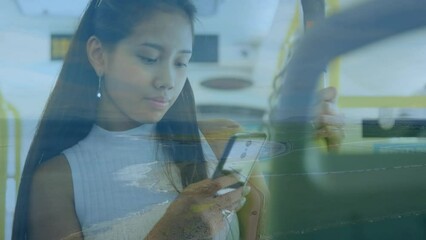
x=240, y=155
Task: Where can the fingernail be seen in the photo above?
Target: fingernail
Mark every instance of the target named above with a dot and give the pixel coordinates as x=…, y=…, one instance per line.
x=246, y=190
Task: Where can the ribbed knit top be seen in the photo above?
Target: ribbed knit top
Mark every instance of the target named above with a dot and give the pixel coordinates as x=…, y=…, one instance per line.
x=120, y=178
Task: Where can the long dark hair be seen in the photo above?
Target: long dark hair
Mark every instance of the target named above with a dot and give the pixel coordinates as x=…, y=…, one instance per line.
x=72, y=106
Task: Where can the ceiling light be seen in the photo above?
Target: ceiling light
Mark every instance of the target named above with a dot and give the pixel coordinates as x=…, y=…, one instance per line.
x=226, y=83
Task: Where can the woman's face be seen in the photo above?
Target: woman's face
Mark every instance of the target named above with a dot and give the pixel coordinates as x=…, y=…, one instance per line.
x=145, y=72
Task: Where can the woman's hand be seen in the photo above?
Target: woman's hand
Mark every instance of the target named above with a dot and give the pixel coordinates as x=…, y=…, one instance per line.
x=329, y=122
x=198, y=212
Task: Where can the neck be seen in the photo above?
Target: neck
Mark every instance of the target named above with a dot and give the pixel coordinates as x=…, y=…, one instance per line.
x=110, y=117
x=116, y=125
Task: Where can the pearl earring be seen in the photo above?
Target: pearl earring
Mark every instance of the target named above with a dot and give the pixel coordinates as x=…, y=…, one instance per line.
x=98, y=94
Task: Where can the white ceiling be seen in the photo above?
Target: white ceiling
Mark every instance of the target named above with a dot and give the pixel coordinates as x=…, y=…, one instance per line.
x=69, y=8
x=252, y=18
x=241, y=25
x=75, y=8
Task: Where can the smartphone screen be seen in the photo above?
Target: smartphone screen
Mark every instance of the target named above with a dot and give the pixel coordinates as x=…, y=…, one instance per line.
x=241, y=152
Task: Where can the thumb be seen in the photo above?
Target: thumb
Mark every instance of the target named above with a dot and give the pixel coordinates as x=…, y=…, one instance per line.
x=328, y=94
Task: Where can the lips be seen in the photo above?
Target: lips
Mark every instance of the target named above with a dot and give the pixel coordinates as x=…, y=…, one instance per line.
x=158, y=102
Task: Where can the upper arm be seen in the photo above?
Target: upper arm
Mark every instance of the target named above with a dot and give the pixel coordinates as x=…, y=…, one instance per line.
x=51, y=208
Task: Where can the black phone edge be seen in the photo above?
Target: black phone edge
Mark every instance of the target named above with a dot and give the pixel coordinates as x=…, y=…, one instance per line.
x=229, y=145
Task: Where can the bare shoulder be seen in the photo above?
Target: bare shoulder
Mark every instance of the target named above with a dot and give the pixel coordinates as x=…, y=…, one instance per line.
x=51, y=207
x=54, y=174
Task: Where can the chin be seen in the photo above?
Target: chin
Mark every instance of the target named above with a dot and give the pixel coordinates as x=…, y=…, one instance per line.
x=154, y=118
x=147, y=115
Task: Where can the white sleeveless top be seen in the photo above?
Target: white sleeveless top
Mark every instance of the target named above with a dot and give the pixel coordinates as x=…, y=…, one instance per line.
x=121, y=186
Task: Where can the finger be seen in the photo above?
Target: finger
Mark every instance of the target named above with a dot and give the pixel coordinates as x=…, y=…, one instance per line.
x=241, y=204
x=333, y=138
x=227, y=180
x=204, y=187
x=236, y=206
x=229, y=199
x=220, y=202
x=327, y=107
x=333, y=134
x=330, y=120
x=328, y=94
x=246, y=190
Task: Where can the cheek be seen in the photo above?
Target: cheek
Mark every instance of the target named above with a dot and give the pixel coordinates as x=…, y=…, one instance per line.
x=179, y=87
x=177, y=91
x=128, y=80
x=122, y=89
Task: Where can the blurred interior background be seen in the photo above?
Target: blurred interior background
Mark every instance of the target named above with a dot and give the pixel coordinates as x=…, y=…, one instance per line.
x=241, y=46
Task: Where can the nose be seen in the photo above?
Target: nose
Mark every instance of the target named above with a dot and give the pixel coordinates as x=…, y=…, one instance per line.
x=165, y=79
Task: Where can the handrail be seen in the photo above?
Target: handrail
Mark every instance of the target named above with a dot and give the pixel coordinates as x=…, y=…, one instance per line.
x=341, y=33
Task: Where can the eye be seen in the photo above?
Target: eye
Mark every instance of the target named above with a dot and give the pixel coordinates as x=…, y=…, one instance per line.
x=181, y=64
x=148, y=60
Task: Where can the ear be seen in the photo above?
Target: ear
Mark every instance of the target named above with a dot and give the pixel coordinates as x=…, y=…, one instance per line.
x=96, y=55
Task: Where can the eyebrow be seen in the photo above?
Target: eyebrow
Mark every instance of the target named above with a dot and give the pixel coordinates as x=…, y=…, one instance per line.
x=160, y=48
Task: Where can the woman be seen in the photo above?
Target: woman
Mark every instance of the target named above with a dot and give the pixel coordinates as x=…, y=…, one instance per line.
x=125, y=70
x=118, y=152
